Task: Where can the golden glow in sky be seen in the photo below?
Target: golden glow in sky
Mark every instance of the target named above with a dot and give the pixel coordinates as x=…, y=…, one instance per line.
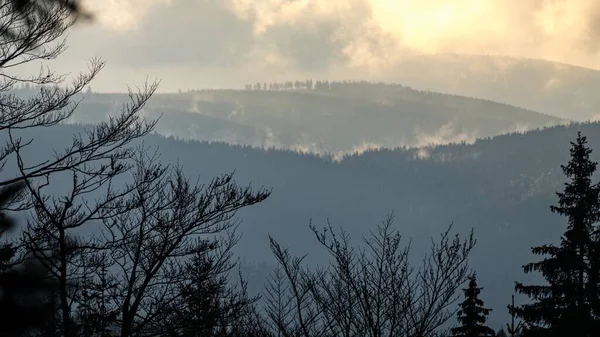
x=560, y=30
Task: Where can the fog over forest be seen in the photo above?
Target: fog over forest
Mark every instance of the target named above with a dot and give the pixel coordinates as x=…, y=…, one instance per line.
x=299, y=168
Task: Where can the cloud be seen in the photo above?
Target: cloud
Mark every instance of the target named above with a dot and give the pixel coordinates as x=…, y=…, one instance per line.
x=309, y=36
x=317, y=33
x=350, y=38
x=155, y=33
x=562, y=30
x=118, y=15
x=311, y=50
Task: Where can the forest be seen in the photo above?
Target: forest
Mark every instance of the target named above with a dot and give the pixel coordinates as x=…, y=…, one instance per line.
x=111, y=228
x=512, y=210
x=347, y=118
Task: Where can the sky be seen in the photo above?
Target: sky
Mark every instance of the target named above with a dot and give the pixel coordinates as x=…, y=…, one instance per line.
x=228, y=43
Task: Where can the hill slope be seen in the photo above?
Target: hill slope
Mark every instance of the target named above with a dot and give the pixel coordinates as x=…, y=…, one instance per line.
x=553, y=88
x=501, y=186
x=345, y=117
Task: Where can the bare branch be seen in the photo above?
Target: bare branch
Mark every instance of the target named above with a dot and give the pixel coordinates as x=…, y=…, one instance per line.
x=372, y=290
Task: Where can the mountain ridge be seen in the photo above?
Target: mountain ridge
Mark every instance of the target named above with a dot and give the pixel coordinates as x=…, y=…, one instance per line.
x=345, y=118
x=558, y=89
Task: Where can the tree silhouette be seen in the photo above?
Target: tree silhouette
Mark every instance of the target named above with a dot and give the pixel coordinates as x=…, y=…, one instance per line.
x=472, y=315
x=27, y=301
x=369, y=292
x=501, y=333
x=512, y=328
x=33, y=32
x=32, y=9
x=564, y=303
x=208, y=306
x=126, y=278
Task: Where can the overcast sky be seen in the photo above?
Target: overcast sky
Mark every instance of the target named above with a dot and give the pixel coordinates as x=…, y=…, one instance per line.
x=227, y=43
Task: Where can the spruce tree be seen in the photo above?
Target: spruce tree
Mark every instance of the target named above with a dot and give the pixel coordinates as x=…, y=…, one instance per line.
x=472, y=315
x=564, y=302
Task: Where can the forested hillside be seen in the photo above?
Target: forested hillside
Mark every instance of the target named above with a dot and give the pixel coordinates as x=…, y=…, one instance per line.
x=336, y=117
x=501, y=186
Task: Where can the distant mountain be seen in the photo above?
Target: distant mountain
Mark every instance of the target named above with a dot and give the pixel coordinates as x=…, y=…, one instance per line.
x=336, y=118
x=178, y=122
x=557, y=89
x=501, y=186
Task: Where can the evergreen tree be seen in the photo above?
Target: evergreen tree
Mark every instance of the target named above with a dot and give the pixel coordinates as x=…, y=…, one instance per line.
x=210, y=305
x=564, y=302
x=26, y=303
x=472, y=315
x=594, y=279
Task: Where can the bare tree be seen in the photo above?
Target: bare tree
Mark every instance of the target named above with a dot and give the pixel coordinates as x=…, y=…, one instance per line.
x=168, y=219
x=53, y=235
x=280, y=311
x=145, y=232
x=90, y=163
x=31, y=9
x=32, y=37
x=372, y=291
x=31, y=32
x=130, y=272
x=145, y=227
